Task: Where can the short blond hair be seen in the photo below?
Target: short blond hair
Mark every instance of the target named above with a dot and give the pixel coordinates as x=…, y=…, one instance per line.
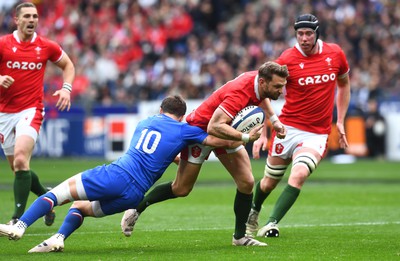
x=268, y=69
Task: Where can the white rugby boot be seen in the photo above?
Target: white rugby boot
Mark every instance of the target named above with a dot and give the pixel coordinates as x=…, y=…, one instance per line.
x=128, y=221
x=53, y=244
x=269, y=230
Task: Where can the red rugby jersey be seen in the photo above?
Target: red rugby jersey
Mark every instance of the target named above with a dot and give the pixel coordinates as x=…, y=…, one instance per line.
x=26, y=63
x=311, y=85
x=232, y=97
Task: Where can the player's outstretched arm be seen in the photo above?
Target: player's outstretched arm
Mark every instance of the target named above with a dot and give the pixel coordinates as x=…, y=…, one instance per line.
x=221, y=143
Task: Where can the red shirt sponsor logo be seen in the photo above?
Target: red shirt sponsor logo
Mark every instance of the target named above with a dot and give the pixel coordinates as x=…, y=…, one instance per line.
x=196, y=151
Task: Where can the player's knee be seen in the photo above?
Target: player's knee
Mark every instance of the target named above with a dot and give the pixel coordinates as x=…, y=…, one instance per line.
x=84, y=207
x=20, y=162
x=297, y=179
x=268, y=184
x=307, y=160
x=246, y=185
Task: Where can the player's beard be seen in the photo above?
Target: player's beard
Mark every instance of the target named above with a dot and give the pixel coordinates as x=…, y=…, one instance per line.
x=275, y=96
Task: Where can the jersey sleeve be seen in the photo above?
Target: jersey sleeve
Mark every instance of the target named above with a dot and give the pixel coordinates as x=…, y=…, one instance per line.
x=344, y=65
x=233, y=104
x=193, y=134
x=55, y=51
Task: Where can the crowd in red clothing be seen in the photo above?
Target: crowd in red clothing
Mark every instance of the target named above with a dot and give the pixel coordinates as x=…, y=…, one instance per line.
x=126, y=51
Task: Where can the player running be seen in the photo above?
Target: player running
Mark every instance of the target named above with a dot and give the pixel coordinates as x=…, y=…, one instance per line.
x=23, y=59
x=315, y=69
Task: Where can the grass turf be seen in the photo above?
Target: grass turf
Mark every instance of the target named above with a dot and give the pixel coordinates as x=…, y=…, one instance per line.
x=344, y=212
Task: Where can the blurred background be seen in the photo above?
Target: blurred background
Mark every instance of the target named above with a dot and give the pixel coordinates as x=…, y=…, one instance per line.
x=130, y=54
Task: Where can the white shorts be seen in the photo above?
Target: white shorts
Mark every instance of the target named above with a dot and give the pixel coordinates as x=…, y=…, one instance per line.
x=198, y=153
x=12, y=125
x=296, y=139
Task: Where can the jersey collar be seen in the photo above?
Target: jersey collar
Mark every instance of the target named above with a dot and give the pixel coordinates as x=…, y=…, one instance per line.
x=15, y=34
x=320, y=47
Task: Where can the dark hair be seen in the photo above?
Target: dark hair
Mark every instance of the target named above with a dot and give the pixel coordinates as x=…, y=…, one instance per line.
x=268, y=69
x=20, y=6
x=307, y=21
x=174, y=105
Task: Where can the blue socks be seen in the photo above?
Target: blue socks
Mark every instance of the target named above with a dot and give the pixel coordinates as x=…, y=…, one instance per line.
x=72, y=222
x=41, y=206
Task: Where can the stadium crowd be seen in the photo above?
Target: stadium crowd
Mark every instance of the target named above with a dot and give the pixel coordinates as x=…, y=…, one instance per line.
x=126, y=51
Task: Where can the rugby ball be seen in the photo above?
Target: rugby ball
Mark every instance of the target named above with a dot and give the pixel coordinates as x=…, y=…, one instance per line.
x=248, y=118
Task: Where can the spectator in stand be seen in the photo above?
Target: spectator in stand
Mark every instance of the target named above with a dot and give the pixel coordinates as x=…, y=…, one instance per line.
x=237, y=35
x=375, y=129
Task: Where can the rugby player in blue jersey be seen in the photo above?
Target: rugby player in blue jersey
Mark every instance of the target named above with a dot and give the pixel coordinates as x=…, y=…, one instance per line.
x=113, y=188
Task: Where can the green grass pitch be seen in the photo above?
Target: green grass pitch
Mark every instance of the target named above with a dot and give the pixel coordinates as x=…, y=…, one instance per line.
x=344, y=212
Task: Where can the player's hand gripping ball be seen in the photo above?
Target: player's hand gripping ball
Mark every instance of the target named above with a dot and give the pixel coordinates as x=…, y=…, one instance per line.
x=248, y=118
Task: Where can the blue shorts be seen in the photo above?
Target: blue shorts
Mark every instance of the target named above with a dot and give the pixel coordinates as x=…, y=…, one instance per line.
x=113, y=187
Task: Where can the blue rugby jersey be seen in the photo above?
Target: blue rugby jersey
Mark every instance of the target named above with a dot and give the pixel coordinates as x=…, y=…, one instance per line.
x=154, y=145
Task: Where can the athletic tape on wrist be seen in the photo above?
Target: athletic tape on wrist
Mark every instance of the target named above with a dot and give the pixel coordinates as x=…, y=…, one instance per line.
x=245, y=137
x=67, y=86
x=273, y=118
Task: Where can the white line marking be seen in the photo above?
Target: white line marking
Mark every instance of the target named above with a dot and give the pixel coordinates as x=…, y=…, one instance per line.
x=380, y=223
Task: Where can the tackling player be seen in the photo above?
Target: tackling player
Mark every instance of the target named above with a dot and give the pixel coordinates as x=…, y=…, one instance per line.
x=214, y=115
x=109, y=189
x=23, y=58
x=315, y=69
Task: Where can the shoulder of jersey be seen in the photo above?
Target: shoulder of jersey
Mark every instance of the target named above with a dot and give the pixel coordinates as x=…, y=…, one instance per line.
x=332, y=47
x=288, y=55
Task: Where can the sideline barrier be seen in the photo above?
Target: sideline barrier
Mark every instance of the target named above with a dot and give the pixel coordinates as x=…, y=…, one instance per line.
x=73, y=134
x=393, y=136
x=355, y=133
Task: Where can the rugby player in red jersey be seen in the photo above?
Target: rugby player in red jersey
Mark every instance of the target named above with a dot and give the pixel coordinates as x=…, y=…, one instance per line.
x=316, y=68
x=23, y=58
